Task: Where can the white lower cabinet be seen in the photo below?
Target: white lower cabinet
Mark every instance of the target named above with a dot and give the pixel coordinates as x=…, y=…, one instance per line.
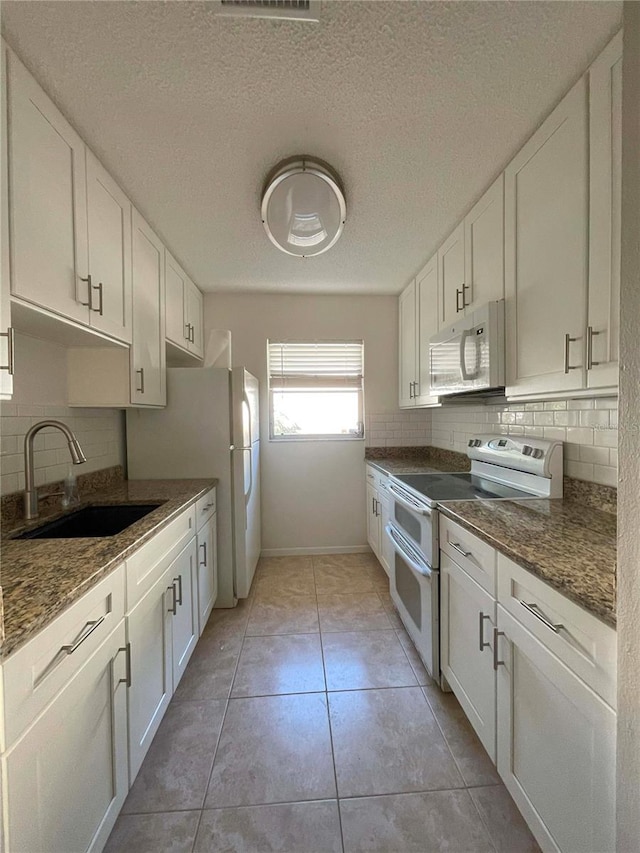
x=535, y=675
x=467, y=619
x=207, y=571
x=150, y=644
x=374, y=518
x=66, y=778
x=556, y=745
x=184, y=608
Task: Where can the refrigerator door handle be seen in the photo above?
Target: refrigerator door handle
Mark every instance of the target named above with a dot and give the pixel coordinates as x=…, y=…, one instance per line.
x=249, y=416
x=248, y=494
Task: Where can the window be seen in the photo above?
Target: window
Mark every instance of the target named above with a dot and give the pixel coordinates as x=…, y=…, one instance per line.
x=316, y=389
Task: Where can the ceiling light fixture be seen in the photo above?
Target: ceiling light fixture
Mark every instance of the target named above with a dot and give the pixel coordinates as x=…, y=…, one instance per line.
x=303, y=207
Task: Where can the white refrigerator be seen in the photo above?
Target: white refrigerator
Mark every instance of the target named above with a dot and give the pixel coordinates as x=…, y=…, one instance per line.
x=209, y=428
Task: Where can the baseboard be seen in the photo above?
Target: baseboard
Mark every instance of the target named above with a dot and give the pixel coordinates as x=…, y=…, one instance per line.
x=304, y=552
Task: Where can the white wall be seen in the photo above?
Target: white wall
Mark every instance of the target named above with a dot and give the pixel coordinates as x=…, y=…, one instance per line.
x=313, y=492
x=589, y=429
x=629, y=495
x=40, y=391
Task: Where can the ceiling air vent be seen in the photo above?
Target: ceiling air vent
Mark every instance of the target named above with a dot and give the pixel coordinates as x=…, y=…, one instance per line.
x=284, y=10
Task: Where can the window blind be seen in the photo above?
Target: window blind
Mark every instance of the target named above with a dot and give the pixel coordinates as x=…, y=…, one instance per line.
x=319, y=364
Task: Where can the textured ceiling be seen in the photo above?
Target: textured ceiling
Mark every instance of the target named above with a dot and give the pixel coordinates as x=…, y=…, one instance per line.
x=417, y=105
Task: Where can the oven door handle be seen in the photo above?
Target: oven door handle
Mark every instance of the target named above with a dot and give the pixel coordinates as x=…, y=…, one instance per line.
x=405, y=503
x=421, y=568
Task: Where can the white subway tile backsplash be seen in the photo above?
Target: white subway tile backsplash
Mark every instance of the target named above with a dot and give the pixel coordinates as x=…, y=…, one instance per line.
x=398, y=429
x=587, y=427
x=99, y=431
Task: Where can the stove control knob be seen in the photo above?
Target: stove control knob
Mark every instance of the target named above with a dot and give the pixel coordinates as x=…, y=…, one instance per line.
x=527, y=450
x=538, y=453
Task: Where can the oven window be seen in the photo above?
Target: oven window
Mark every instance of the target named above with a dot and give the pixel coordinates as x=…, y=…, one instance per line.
x=407, y=522
x=408, y=588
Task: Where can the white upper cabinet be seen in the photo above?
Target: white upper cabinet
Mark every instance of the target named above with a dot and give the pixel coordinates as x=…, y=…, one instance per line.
x=484, y=249
x=407, y=322
x=148, y=376
x=109, y=230
x=184, y=309
x=451, y=269
x=605, y=184
x=6, y=330
x=48, y=215
x=427, y=314
x=546, y=258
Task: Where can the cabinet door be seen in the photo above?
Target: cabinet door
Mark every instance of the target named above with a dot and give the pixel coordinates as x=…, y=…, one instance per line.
x=605, y=187
x=66, y=778
x=373, y=519
x=451, y=261
x=148, y=376
x=109, y=229
x=556, y=746
x=184, y=625
x=149, y=634
x=427, y=313
x=467, y=616
x=546, y=224
x=195, y=318
x=407, y=328
x=484, y=249
x=6, y=332
x=48, y=201
x=176, y=322
x=207, y=571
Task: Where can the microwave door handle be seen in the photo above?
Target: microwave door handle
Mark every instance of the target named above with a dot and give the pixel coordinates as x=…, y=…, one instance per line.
x=467, y=375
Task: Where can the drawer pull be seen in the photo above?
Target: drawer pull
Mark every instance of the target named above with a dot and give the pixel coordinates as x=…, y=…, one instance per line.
x=92, y=626
x=456, y=547
x=482, y=643
x=207, y=506
x=535, y=611
x=496, y=662
x=204, y=548
x=178, y=580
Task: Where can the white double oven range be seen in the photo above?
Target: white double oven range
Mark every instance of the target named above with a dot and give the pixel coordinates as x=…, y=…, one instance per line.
x=502, y=468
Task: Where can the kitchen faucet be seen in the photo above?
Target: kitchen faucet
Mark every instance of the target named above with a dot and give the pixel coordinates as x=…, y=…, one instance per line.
x=30, y=491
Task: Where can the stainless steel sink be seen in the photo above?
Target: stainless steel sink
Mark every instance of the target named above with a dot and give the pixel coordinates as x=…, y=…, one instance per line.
x=91, y=521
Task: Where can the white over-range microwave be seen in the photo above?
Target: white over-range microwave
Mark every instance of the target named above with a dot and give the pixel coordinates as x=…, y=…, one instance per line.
x=470, y=354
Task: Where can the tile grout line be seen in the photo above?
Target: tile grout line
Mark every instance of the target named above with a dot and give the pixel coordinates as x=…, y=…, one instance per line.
x=219, y=738
x=326, y=693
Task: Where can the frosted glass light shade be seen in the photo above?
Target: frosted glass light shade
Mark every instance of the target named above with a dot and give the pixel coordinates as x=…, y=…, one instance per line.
x=303, y=207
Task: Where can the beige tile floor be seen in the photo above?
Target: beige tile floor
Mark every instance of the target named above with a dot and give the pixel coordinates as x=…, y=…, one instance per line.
x=306, y=723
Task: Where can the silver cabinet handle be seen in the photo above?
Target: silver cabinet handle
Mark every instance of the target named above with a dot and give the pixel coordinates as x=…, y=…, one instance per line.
x=141, y=372
x=84, y=634
x=535, y=611
x=174, y=603
x=193, y=334
x=465, y=287
x=456, y=547
x=590, y=335
x=204, y=548
x=97, y=287
x=89, y=285
x=11, y=353
x=568, y=340
x=411, y=390
x=496, y=662
x=459, y=293
x=376, y=504
x=186, y=337
x=416, y=393
x=127, y=650
x=178, y=580
x=482, y=643
x=208, y=506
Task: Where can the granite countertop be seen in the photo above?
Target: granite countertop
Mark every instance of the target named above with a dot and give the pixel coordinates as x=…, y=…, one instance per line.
x=567, y=544
x=42, y=577
x=570, y=543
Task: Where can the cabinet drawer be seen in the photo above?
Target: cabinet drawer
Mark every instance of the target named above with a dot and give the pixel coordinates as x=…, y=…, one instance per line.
x=581, y=641
x=36, y=673
x=377, y=478
x=472, y=554
x=205, y=507
x=148, y=563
